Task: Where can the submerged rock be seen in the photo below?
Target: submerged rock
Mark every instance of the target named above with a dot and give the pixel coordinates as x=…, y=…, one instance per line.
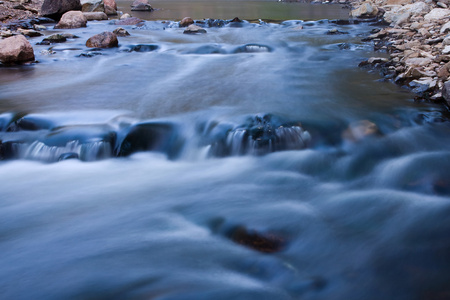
x=16, y=49
x=103, y=40
x=143, y=48
x=129, y=21
x=259, y=135
x=72, y=19
x=262, y=242
x=253, y=48
x=151, y=136
x=54, y=38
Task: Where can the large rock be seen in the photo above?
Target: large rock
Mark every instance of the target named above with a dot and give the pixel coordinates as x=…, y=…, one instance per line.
x=72, y=19
x=437, y=14
x=103, y=40
x=141, y=5
x=186, y=22
x=446, y=92
x=56, y=8
x=16, y=49
x=110, y=7
x=400, y=14
x=92, y=6
x=95, y=16
x=365, y=10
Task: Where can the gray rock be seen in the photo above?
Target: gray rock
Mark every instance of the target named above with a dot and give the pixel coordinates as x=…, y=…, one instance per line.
x=446, y=92
x=141, y=5
x=365, y=10
x=29, y=32
x=437, y=14
x=56, y=8
x=121, y=32
x=193, y=29
x=72, y=19
x=95, y=16
x=92, y=6
x=103, y=40
x=16, y=49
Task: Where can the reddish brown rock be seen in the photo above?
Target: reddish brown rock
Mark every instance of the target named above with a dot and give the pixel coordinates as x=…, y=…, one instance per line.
x=16, y=49
x=72, y=19
x=103, y=40
x=186, y=22
x=56, y=8
x=129, y=21
x=110, y=3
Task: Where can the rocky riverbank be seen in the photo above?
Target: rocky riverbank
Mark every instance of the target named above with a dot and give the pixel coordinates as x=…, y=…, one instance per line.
x=416, y=37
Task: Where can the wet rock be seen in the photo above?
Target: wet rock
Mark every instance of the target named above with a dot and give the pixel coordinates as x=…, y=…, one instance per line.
x=194, y=29
x=129, y=21
x=16, y=49
x=365, y=10
x=259, y=241
x=446, y=92
x=125, y=16
x=141, y=5
x=95, y=16
x=259, y=135
x=185, y=22
x=56, y=8
x=143, y=48
x=6, y=33
x=215, y=23
x=72, y=19
x=151, y=136
x=54, y=38
x=69, y=155
x=103, y=40
x=359, y=130
x=335, y=32
x=92, y=6
x=121, y=32
x=253, y=48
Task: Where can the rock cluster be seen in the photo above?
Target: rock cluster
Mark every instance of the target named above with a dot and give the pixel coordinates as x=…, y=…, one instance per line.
x=418, y=43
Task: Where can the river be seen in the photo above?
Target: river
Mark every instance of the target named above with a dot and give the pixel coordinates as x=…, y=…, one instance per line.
x=256, y=161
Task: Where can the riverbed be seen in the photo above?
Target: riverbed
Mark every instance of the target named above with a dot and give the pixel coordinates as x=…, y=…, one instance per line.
x=128, y=173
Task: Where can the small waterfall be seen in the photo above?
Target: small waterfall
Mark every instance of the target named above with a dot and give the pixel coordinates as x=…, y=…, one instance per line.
x=73, y=149
x=236, y=141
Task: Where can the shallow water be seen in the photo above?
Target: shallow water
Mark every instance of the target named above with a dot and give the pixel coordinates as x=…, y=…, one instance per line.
x=361, y=217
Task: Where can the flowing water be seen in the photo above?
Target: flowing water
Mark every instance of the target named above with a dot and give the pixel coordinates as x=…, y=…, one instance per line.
x=256, y=161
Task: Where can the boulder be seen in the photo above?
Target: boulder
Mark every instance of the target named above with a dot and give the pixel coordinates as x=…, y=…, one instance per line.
x=92, y=6
x=103, y=40
x=446, y=92
x=129, y=21
x=72, y=19
x=110, y=11
x=186, y=22
x=365, y=10
x=437, y=14
x=193, y=29
x=125, y=16
x=141, y=5
x=95, y=16
x=398, y=15
x=110, y=3
x=56, y=8
x=121, y=32
x=16, y=49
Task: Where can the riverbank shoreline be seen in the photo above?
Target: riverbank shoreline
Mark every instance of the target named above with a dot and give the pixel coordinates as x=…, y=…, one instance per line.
x=415, y=38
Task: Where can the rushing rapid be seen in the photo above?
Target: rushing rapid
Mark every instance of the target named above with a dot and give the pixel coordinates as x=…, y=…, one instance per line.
x=251, y=162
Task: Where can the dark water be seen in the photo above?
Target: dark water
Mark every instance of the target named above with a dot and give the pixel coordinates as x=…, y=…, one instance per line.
x=220, y=166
